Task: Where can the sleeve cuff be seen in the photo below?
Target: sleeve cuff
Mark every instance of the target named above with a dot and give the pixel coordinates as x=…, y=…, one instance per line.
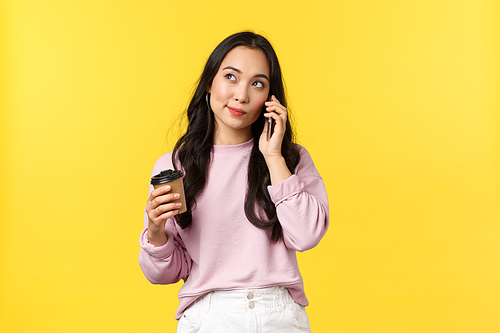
x=162, y=251
x=285, y=189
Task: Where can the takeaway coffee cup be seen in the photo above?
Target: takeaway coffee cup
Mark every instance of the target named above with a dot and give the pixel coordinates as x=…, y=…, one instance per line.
x=174, y=179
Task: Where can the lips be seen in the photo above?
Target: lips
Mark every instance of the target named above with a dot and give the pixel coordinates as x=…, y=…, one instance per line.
x=236, y=112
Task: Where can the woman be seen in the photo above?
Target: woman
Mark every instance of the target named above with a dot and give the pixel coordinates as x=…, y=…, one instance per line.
x=252, y=201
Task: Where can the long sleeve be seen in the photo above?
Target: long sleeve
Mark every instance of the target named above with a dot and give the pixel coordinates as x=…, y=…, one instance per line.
x=302, y=205
x=164, y=264
x=170, y=262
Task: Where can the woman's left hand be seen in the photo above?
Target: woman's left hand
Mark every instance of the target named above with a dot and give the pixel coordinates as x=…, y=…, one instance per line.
x=276, y=111
x=278, y=170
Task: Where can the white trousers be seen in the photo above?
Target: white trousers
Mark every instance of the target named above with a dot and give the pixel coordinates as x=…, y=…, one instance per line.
x=245, y=311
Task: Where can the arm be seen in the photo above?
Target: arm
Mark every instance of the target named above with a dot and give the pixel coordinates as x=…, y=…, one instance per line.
x=302, y=205
x=271, y=150
x=300, y=199
x=164, y=264
x=163, y=257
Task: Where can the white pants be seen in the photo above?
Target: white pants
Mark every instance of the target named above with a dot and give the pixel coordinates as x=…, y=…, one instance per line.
x=246, y=311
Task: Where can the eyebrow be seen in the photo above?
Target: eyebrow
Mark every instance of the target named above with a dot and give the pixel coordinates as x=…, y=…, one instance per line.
x=240, y=72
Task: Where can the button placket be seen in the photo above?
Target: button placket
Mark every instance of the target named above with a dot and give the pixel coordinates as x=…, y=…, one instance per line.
x=251, y=304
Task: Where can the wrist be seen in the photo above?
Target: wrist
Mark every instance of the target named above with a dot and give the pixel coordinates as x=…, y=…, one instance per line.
x=274, y=159
x=278, y=170
x=157, y=237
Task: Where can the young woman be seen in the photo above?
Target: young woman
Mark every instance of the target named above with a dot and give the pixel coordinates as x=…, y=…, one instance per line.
x=251, y=202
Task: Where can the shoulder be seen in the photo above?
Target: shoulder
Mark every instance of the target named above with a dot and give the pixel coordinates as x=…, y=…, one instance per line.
x=301, y=149
x=164, y=162
x=304, y=154
x=306, y=165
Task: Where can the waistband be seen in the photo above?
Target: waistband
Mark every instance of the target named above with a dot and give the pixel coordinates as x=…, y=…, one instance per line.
x=270, y=299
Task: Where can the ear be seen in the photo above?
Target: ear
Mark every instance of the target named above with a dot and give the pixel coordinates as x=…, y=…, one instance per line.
x=209, y=89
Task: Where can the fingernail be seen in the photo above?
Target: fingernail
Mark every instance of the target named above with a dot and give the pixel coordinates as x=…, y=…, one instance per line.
x=167, y=188
x=178, y=205
x=177, y=196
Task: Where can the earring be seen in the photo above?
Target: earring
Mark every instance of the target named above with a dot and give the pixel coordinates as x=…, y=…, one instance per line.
x=207, y=97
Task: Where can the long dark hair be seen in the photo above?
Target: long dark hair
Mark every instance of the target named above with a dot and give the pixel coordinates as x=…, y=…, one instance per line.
x=193, y=149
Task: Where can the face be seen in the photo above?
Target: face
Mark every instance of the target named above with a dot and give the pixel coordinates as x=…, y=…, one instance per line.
x=238, y=92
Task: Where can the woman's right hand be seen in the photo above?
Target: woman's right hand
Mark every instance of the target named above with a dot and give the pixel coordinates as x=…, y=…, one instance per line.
x=159, y=209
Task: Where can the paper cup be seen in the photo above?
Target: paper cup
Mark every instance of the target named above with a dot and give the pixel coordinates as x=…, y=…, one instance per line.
x=174, y=179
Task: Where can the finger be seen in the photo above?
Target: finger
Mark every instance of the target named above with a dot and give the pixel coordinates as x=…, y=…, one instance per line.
x=162, y=199
x=273, y=115
x=273, y=100
x=160, y=191
x=152, y=206
x=163, y=212
x=278, y=108
x=166, y=208
x=279, y=118
x=265, y=124
x=162, y=219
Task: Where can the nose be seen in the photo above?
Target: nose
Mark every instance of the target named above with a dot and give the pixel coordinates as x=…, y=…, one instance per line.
x=241, y=94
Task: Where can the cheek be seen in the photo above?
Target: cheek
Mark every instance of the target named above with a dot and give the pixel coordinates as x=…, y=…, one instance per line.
x=220, y=91
x=259, y=102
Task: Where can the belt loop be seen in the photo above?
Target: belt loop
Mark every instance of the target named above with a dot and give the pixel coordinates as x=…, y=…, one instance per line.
x=210, y=301
x=283, y=299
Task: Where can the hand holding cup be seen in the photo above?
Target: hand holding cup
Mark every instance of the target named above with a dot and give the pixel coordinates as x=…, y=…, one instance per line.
x=165, y=201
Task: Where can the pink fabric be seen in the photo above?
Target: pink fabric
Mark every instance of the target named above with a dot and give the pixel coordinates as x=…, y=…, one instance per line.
x=222, y=250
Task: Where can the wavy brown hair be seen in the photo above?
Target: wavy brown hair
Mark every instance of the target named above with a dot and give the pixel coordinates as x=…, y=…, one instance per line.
x=193, y=149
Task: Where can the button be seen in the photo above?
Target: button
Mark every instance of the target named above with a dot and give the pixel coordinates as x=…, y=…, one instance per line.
x=250, y=295
x=251, y=304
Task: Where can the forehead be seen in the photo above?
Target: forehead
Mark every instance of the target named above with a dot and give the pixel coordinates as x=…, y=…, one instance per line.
x=249, y=61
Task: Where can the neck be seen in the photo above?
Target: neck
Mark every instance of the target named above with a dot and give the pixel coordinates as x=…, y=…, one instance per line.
x=229, y=138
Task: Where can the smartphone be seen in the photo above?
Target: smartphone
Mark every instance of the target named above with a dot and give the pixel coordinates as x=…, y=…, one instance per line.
x=270, y=123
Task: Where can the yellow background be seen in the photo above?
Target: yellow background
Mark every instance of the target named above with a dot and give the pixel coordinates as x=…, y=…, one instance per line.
x=397, y=102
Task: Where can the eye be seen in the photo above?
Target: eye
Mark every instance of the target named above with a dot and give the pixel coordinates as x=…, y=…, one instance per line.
x=230, y=77
x=258, y=84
